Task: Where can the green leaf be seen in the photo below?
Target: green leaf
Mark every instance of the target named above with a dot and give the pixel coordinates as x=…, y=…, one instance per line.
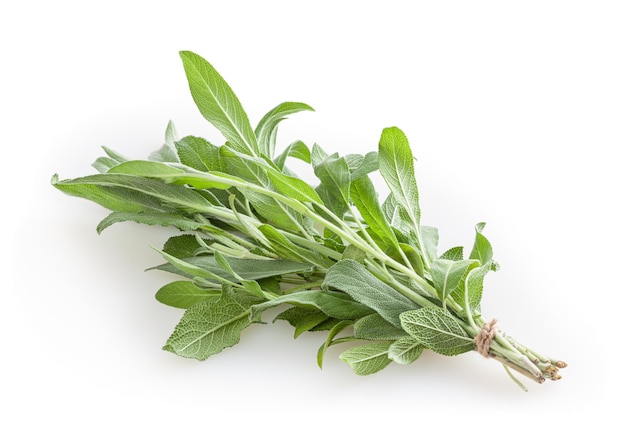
x=257, y=171
x=473, y=287
x=405, y=350
x=221, y=261
x=302, y=319
x=332, y=333
x=114, y=155
x=365, y=165
x=332, y=200
x=184, y=294
x=126, y=193
x=257, y=269
x=365, y=199
x=104, y=164
x=317, y=155
x=448, y=274
x=334, y=304
x=481, y=250
x=218, y=103
x=174, y=175
x=266, y=129
x=455, y=254
x=414, y=257
x=245, y=268
x=198, y=153
x=353, y=278
x=374, y=327
x=430, y=237
x=297, y=149
x=437, y=330
x=290, y=251
x=207, y=328
x=395, y=161
x=185, y=267
x=178, y=221
x=352, y=252
x=181, y=246
x=334, y=174
x=367, y=359
x=294, y=187
x=167, y=152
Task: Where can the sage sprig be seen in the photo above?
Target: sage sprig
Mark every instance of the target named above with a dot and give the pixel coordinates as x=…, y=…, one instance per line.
x=252, y=236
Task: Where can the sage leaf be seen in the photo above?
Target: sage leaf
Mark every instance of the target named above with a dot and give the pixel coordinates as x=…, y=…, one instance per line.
x=245, y=268
x=181, y=246
x=176, y=220
x=207, y=328
x=291, y=251
x=294, y=187
x=297, y=149
x=334, y=174
x=430, y=237
x=396, y=167
x=437, y=330
x=454, y=254
x=366, y=201
x=167, y=152
x=405, y=350
x=184, y=294
x=104, y=164
x=367, y=359
x=367, y=164
x=354, y=279
x=374, y=327
x=473, y=287
x=257, y=172
x=268, y=125
x=318, y=155
x=126, y=193
x=199, y=153
x=481, y=250
x=302, y=319
x=395, y=161
x=334, y=304
x=448, y=274
x=332, y=333
x=218, y=103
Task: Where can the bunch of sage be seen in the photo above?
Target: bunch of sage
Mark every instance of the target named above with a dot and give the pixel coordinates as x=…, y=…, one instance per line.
x=251, y=236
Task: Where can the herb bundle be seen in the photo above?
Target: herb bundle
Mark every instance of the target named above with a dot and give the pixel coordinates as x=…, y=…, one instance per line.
x=251, y=235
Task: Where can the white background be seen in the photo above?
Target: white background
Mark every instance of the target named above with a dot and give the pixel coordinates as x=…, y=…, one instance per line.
x=515, y=112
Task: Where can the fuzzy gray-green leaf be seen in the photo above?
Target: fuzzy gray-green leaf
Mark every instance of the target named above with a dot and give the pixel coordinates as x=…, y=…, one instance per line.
x=367, y=359
x=448, y=274
x=437, y=330
x=207, y=328
x=334, y=174
x=334, y=304
x=199, y=153
x=374, y=327
x=266, y=129
x=218, y=103
x=365, y=199
x=481, y=250
x=297, y=149
x=353, y=278
x=176, y=220
x=126, y=193
x=184, y=294
x=405, y=350
x=395, y=161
